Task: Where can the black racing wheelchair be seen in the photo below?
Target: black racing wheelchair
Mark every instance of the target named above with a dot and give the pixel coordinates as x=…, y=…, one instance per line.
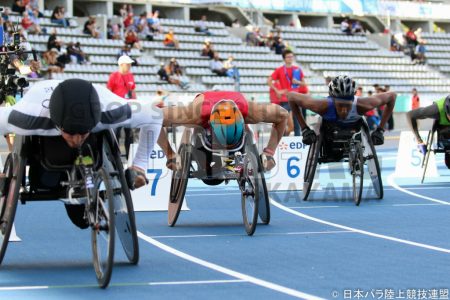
x=91, y=183
x=351, y=143
x=213, y=166
x=442, y=146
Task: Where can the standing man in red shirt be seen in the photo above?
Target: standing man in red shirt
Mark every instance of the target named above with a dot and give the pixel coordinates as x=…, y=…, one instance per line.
x=284, y=79
x=415, y=99
x=123, y=85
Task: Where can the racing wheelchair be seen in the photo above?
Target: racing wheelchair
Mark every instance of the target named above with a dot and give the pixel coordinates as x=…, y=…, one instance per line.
x=442, y=145
x=352, y=144
x=92, y=185
x=201, y=160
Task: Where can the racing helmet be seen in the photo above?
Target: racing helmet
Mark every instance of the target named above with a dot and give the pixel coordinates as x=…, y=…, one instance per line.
x=227, y=124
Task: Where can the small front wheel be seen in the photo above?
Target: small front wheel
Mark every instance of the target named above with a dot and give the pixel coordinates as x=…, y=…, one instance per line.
x=250, y=192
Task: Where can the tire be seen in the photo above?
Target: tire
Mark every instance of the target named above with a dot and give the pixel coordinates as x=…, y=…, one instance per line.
x=358, y=173
x=310, y=166
x=179, y=183
x=373, y=166
x=13, y=169
x=250, y=192
x=264, y=201
x=103, y=228
x=123, y=203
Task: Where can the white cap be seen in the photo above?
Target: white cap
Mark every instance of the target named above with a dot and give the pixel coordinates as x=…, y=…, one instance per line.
x=125, y=59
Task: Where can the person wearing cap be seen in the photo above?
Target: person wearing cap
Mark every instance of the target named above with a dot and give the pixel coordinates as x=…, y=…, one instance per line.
x=123, y=85
x=75, y=108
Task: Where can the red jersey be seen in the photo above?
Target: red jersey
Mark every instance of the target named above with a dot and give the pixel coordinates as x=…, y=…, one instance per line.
x=415, y=101
x=212, y=97
x=284, y=77
x=121, y=84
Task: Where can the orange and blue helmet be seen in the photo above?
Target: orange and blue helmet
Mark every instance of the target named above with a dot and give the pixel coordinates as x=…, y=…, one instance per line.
x=227, y=124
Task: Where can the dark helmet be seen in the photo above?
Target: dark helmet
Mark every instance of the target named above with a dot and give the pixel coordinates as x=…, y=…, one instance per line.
x=75, y=106
x=342, y=87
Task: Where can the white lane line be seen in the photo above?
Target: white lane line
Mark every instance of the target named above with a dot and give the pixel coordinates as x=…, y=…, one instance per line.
x=259, y=234
x=22, y=288
x=235, y=274
x=197, y=282
x=368, y=233
x=375, y=205
x=188, y=282
x=392, y=183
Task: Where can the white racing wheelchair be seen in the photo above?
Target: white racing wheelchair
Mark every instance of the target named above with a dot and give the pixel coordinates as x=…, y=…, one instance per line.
x=442, y=146
x=213, y=166
x=90, y=181
x=352, y=144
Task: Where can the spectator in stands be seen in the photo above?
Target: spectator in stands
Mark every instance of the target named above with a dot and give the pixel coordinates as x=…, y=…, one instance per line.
x=128, y=22
x=346, y=27
x=143, y=29
x=232, y=70
x=125, y=50
x=170, y=40
x=236, y=24
x=419, y=55
x=357, y=28
x=50, y=59
x=5, y=15
x=359, y=91
x=207, y=49
x=164, y=74
x=18, y=7
x=28, y=25
x=278, y=45
x=123, y=11
x=113, y=31
x=58, y=16
x=123, y=85
x=216, y=65
x=132, y=40
x=76, y=54
x=255, y=38
x=90, y=27
x=34, y=16
x=285, y=78
x=154, y=22
x=415, y=100
x=34, y=5
x=201, y=26
x=53, y=41
x=176, y=73
x=395, y=46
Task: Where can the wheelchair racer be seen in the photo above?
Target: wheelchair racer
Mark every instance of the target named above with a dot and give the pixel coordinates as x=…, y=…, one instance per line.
x=439, y=110
x=224, y=114
x=342, y=107
x=74, y=108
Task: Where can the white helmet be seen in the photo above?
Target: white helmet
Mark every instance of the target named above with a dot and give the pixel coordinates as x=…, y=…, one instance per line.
x=342, y=87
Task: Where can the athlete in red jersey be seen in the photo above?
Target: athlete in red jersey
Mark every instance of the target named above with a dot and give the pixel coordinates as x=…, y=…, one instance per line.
x=223, y=112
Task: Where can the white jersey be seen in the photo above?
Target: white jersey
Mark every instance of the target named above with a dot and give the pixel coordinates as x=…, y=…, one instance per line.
x=31, y=116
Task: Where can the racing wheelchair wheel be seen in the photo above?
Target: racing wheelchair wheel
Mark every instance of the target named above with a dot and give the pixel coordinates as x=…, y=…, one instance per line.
x=250, y=191
x=10, y=187
x=357, y=169
x=179, y=183
x=373, y=165
x=101, y=210
x=125, y=221
x=311, y=165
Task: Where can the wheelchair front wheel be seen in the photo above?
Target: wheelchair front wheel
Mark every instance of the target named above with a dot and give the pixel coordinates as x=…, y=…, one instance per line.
x=310, y=166
x=101, y=210
x=13, y=170
x=357, y=169
x=250, y=192
x=179, y=183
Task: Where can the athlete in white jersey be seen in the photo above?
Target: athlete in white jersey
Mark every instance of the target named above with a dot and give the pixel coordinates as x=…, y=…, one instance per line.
x=74, y=108
x=342, y=107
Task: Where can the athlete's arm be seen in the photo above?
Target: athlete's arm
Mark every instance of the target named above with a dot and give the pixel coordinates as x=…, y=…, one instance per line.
x=269, y=113
x=297, y=101
x=369, y=103
x=429, y=112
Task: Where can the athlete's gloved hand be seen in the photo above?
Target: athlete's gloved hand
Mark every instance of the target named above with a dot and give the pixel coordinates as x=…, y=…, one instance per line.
x=268, y=162
x=422, y=148
x=377, y=136
x=309, y=136
x=135, y=177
